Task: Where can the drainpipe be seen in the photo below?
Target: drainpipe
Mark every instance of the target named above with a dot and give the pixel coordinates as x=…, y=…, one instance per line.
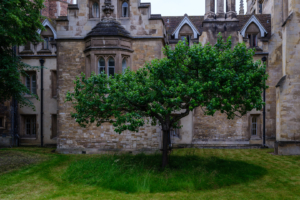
x=264, y=59
x=42, y=61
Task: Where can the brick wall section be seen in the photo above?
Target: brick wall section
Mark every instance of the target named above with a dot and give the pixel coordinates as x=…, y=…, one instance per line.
x=45, y=11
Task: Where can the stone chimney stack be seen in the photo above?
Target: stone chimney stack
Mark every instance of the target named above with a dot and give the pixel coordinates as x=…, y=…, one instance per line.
x=230, y=9
x=220, y=9
x=242, y=12
x=209, y=10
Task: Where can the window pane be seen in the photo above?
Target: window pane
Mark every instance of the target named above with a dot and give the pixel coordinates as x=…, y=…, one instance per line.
x=101, y=65
x=111, y=71
x=101, y=70
x=101, y=62
x=95, y=10
x=254, y=41
x=250, y=40
x=27, y=124
x=125, y=9
x=124, y=65
x=33, y=84
x=33, y=125
x=1, y=122
x=254, y=125
x=183, y=38
x=46, y=43
x=28, y=83
x=111, y=62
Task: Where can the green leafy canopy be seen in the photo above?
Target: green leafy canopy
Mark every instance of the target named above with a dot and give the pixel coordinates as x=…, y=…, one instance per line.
x=213, y=77
x=19, y=22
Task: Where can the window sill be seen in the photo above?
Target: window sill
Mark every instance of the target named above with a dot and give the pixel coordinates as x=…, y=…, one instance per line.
x=44, y=51
x=94, y=19
x=29, y=96
x=255, y=137
x=28, y=138
x=26, y=52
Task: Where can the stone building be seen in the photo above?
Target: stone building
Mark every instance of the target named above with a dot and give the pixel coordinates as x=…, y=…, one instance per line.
x=111, y=35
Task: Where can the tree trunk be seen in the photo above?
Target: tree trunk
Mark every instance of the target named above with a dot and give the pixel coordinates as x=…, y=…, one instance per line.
x=165, y=149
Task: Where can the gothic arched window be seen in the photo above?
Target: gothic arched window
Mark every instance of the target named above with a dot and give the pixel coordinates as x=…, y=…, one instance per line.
x=95, y=10
x=254, y=125
x=252, y=32
x=125, y=9
x=111, y=67
x=124, y=65
x=101, y=65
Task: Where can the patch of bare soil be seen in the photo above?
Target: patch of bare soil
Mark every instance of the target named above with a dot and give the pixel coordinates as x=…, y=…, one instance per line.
x=12, y=160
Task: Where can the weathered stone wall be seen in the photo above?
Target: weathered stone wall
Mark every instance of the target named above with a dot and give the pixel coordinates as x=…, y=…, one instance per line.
x=288, y=92
x=274, y=68
x=73, y=138
x=146, y=50
x=211, y=29
x=138, y=24
x=50, y=103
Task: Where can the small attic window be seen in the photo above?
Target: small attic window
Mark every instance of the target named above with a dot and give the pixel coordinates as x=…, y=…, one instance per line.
x=252, y=40
x=125, y=9
x=252, y=33
x=95, y=10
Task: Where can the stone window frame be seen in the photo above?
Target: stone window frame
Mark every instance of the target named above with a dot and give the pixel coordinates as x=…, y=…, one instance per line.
x=186, y=36
x=185, y=21
x=3, y=120
x=90, y=5
x=98, y=62
x=251, y=37
x=127, y=59
x=258, y=126
x=106, y=59
x=30, y=74
x=107, y=64
x=49, y=38
x=32, y=117
x=120, y=9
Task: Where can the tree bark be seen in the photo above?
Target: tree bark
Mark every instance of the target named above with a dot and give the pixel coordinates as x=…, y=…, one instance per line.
x=165, y=149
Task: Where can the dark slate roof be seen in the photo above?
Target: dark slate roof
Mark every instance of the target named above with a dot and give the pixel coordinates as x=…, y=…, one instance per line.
x=264, y=19
x=174, y=21
x=109, y=27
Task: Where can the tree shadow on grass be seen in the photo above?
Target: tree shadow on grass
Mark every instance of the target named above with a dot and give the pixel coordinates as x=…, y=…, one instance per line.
x=142, y=173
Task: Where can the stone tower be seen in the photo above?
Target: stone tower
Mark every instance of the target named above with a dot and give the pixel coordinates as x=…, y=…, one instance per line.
x=242, y=12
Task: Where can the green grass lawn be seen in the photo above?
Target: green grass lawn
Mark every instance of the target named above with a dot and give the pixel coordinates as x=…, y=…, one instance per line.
x=37, y=173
